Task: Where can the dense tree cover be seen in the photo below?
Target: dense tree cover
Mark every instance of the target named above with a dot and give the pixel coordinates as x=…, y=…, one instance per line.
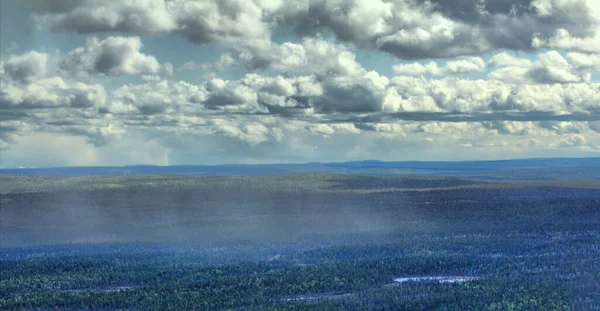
x=561, y=275
x=338, y=248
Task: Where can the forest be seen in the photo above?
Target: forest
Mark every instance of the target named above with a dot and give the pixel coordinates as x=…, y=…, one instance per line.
x=309, y=241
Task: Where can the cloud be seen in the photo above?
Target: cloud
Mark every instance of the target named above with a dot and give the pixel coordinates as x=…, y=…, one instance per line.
x=406, y=29
x=505, y=60
x=231, y=96
x=10, y=129
x=572, y=140
x=239, y=23
x=550, y=67
x=26, y=67
x=369, y=97
x=468, y=65
x=155, y=97
x=168, y=68
x=112, y=56
x=225, y=61
x=428, y=29
x=51, y=93
x=584, y=61
x=304, y=93
x=312, y=55
x=253, y=133
x=321, y=129
x=562, y=39
x=594, y=125
x=510, y=127
x=564, y=127
x=97, y=135
x=33, y=80
x=91, y=16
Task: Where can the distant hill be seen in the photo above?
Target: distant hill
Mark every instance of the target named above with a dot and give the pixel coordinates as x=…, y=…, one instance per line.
x=521, y=169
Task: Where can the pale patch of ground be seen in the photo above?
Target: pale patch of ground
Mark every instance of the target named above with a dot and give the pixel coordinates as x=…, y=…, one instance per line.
x=328, y=296
x=440, y=279
x=99, y=290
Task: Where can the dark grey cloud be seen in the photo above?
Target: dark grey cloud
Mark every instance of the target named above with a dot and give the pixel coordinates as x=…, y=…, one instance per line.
x=97, y=135
x=376, y=118
x=414, y=29
x=43, y=6
x=224, y=21
x=462, y=27
x=110, y=56
x=512, y=24
x=348, y=98
x=26, y=67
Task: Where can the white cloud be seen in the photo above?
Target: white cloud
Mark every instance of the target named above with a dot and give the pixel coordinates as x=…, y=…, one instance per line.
x=562, y=39
x=550, y=67
x=467, y=65
x=225, y=61
x=51, y=93
x=253, y=134
x=505, y=60
x=321, y=129
x=584, y=61
x=312, y=55
x=573, y=140
x=155, y=97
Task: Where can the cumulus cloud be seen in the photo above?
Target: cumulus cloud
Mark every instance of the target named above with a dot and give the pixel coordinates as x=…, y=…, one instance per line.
x=369, y=95
x=96, y=135
x=155, y=97
x=10, y=129
x=321, y=129
x=573, y=140
x=31, y=80
x=510, y=127
x=304, y=91
x=584, y=61
x=550, y=67
x=28, y=81
x=564, y=127
x=51, y=93
x=26, y=67
x=312, y=55
x=468, y=65
x=239, y=23
x=111, y=56
x=231, y=96
x=505, y=60
x=253, y=134
x=407, y=29
x=562, y=39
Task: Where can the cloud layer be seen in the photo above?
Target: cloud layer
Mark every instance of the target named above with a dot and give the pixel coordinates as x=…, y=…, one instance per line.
x=494, y=79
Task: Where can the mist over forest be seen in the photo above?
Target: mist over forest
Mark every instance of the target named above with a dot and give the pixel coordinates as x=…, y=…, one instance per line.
x=302, y=241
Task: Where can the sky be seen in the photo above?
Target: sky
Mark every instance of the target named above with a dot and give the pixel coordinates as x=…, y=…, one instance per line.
x=173, y=82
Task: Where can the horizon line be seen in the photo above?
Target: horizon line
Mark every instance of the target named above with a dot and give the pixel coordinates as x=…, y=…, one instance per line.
x=302, y=163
